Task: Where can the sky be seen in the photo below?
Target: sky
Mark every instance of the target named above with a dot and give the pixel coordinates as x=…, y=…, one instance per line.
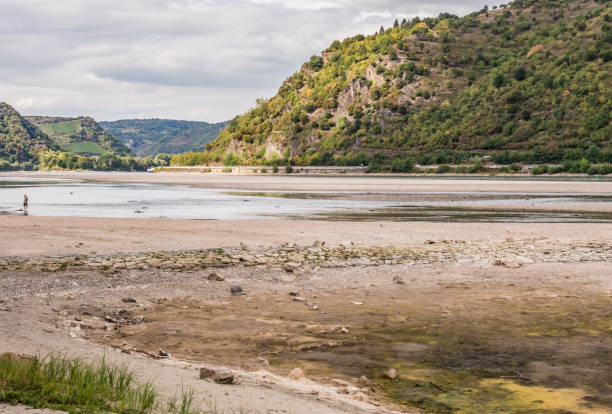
x=204, y=60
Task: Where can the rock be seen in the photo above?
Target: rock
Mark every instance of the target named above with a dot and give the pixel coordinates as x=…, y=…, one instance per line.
x=164, y=354
x=391, y=374
x=363, y=381
x=236, y=290
x=206, y=372
x=357, y=303
x=294, y=293
x=216, y=277
x=299, y=299
x=291, y=267
x=220, y=375
x=223, y=376
x=296, y=374
x=318, y=243
x=346, y=243
x=398, y=280
x=359, y=396
x=342, y=383
x=343, y=330
x=128, y=300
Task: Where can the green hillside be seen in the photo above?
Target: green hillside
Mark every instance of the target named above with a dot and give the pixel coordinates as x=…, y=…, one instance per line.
x=20, y=141
x=80, y=135
x=148, y=137
x=529, y=82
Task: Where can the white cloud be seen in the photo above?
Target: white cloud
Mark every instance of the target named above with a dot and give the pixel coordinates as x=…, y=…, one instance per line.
x=186, y=59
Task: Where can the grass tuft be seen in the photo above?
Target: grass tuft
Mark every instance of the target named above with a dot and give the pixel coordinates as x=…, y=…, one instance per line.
x=77, y=386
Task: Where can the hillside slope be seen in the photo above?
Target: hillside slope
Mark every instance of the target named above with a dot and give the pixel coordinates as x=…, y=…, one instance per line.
x=531, y=82
x=20, y=141
x=80, y=135
x=148, y=137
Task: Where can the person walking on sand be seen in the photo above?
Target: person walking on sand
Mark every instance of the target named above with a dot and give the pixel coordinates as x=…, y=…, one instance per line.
x=25, y=204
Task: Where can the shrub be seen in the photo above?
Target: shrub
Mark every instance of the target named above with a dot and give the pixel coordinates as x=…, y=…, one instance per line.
x=443, y=169
x=275, y=169
x=401, y=165
x=288, y=169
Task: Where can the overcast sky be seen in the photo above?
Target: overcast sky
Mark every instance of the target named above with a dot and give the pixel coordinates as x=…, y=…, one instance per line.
x=184, y=59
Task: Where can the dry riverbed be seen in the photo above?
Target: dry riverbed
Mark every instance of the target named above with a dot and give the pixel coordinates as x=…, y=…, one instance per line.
x=469, y=325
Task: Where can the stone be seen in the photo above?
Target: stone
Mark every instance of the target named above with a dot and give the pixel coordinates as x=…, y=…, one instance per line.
x=220, y=375
x=398, y=280
x=299, y=299
x=128, y=300
x=236, y=290
x=164, y=354
x=291, y=267
x=318, y=243
x=346, y=243
x=359, y=396
x=216, y=277
x=391, y=374
x=223, y=376
x=294, y=293
x=296, y=374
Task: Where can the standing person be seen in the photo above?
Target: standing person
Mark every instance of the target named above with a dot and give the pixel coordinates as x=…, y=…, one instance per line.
x=25, y=204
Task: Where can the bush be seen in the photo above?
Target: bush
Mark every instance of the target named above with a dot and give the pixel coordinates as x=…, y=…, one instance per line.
x=275, y=169
x=540, y=169
x=227, y=170
x=401, y=165
x=288, y=169
x=443, y=169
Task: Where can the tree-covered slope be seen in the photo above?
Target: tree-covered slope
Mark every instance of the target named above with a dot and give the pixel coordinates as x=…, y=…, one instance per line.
x=531, y=82
x=148, y=137
x=20, y=141
x=80, y=135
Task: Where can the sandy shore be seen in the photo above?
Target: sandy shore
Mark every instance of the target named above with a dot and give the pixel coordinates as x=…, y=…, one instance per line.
x=456, y=305
x=347, y=183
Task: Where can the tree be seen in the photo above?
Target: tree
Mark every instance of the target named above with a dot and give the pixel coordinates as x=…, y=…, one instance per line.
x=499, y=80
x=395, y=24
x=520, y=74
x=316, y=63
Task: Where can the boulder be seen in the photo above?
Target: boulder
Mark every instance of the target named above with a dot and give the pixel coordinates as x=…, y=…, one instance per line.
x=236, y=290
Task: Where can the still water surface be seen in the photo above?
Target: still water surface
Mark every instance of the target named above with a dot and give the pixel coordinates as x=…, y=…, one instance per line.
x=66, y=197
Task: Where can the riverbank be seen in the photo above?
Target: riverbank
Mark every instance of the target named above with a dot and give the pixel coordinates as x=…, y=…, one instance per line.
x=475, y=316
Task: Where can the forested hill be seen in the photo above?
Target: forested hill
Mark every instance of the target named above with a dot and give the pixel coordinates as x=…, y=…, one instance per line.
x=20, y=141
x=530, y=82
x=82, y=135
x=153, y=136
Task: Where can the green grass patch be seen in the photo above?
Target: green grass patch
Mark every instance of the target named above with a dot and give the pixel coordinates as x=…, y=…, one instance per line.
x=84, y=147
x=68, y=127
x=77, y=386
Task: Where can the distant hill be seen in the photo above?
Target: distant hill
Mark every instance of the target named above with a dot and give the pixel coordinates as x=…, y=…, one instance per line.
x=20, y=141
x=528, y=82
x=153, y=136
x=80, y=135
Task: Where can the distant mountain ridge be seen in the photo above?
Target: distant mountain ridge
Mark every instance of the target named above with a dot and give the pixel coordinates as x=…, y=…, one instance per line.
x=80, y=135
x=147, y=137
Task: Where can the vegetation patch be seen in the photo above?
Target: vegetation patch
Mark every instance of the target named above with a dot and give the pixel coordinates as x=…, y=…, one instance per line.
x=76, y=386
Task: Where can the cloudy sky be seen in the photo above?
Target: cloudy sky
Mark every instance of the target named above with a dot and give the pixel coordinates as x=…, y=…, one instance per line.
x=183, y=59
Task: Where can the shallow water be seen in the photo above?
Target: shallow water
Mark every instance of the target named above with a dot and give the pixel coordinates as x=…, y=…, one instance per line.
x=67, y=197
